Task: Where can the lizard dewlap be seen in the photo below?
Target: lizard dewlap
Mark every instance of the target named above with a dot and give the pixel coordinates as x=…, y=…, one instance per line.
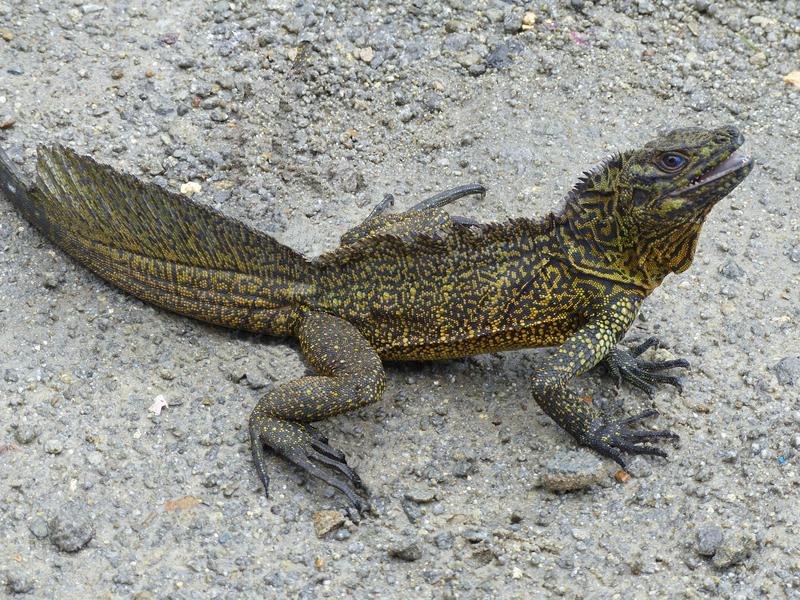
x=411, y=286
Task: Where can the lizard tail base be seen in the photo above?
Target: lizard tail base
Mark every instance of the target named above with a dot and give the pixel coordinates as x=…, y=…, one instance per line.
x=161, y=246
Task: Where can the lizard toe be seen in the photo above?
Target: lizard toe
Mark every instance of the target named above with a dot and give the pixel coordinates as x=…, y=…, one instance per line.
x=613, y=438
x=627, y=365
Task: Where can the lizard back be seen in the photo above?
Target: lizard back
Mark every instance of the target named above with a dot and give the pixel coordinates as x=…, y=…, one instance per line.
x=455, y=290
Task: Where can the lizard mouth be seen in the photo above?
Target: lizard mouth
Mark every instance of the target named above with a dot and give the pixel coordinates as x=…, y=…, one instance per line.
x=735, y=163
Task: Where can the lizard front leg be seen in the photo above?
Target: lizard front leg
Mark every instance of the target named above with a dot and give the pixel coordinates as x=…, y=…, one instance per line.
x=350, y=376
x=628, y=365
x=579, y=353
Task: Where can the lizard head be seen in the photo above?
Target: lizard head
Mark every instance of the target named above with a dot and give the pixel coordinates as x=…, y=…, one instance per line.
x=638, y=216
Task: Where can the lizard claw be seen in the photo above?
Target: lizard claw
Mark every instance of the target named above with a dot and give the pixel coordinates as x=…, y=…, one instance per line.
x=626, y=365
x=313, y=462
x=612, y=438
x=311, y=452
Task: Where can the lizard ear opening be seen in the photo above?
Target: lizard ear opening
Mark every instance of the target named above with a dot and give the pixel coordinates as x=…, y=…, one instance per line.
x=640, y=196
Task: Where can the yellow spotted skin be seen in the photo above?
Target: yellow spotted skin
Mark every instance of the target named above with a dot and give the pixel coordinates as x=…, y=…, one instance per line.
x=413, y=286
x=457, y=290
x=350, y=376
x=582, y=351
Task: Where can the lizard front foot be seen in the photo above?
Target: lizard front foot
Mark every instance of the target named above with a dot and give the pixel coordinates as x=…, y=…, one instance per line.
x=308, y=449
x=613, y=437
x=627, y=365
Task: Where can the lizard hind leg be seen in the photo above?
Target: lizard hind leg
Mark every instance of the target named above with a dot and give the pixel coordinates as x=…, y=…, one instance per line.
x=425, y=217
x=350, y=376
x=448, y=196
x=438, y=200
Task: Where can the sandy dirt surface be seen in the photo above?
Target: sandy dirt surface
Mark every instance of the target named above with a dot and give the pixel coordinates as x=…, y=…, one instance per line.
x=297, y=117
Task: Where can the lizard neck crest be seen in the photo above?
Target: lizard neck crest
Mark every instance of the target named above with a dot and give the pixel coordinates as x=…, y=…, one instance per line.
x=595, y=233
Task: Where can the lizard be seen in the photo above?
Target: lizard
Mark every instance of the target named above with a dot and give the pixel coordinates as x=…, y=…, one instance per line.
x=412, y=285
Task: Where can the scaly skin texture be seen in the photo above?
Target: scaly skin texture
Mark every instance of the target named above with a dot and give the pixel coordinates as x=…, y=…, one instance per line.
x=412, y=286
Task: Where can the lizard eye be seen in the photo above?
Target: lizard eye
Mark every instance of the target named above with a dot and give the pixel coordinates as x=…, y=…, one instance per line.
x=671, y=162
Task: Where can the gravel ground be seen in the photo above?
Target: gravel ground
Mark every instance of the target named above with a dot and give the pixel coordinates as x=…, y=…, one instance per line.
x=297, y=118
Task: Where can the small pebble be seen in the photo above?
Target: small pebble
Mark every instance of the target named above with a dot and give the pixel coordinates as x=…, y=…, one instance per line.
x=38, y=527
x=190, y=188
x=732, y=270
x=639, y=467
x=477, y=69
x=18, y=582
x=406, y=114
x=53, y=446
x=326, y=521
x=463, y=469
x=71, y=529
x=25, y=434
x=787, y=371
x=218, y=116
x=412, y=510
x=453, y=25
x=256, y=380
x=528, y=20
x=512, y=21
x=366, y=54
x=443, y=540
x=572, y=470
x=701, y=6
x=475, y=536
x=50, y=280
x=709, y=538
x=408, y=550
x=645, y=7
x=734, y=549
x=420, y=495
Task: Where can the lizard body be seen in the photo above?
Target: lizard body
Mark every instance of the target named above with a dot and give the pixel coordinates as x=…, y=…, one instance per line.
x=412, y=286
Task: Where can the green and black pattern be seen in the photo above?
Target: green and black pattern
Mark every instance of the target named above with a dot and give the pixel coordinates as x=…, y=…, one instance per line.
x=411, y=286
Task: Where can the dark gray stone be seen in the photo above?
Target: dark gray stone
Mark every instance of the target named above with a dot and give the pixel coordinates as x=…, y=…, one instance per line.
x=787, y=370
x=709, y=538
x=38, y=527
x=732, y=270
x=71, y=529
x=408, y=550
x=736, y=547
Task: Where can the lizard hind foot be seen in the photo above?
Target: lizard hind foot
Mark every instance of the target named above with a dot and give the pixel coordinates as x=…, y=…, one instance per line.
x=629, y=366
x=314, y=463
x=613, y=437
x=308, y=449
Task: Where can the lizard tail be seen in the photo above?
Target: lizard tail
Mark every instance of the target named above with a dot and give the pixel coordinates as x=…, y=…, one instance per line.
x=160, y=246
